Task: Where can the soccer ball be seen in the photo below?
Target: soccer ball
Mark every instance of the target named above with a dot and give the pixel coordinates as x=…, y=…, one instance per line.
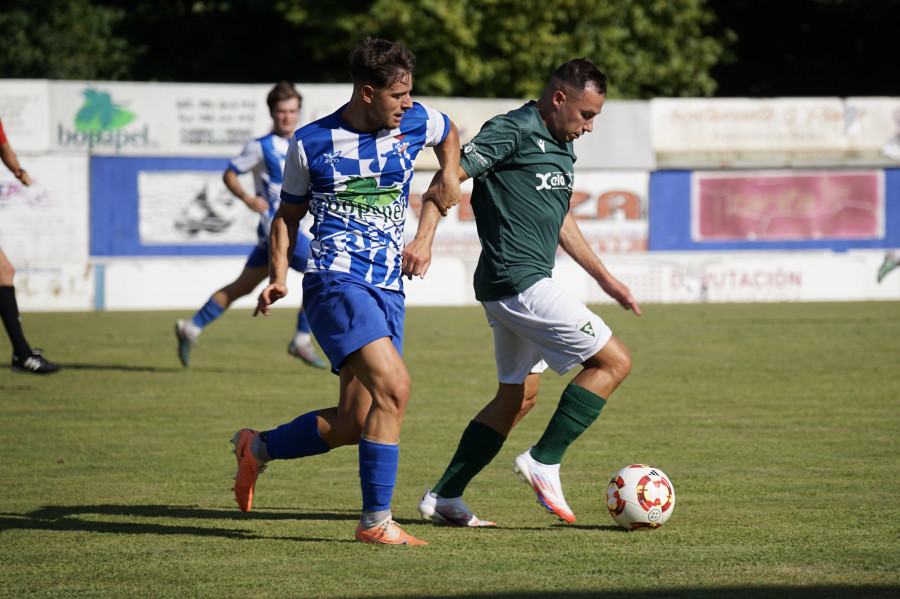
x=640, y=496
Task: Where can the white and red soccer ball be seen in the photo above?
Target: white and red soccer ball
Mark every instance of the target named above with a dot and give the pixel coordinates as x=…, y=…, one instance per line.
x=640, y=496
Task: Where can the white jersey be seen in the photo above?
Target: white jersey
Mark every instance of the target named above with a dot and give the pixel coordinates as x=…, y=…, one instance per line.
x=264, y=157
x=357, y=186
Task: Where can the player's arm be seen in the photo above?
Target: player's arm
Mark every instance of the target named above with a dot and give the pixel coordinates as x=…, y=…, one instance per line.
x=444, y=189
x=573, y=243
x=9, y=158
x=255, y=203
x=417, y=253
x=282, y=240
x=443, y=193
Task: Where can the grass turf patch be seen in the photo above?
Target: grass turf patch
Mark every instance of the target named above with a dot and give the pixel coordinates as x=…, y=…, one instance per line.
x=775, y=422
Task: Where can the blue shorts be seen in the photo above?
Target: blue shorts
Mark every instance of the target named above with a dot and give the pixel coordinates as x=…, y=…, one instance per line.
x=260, y=254
x=346, y=313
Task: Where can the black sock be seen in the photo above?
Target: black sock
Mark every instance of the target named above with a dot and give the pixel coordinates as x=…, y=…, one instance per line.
x=9, y=313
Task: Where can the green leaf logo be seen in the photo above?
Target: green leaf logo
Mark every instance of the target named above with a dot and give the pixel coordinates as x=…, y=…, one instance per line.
x=366, y=191
x=100, y=114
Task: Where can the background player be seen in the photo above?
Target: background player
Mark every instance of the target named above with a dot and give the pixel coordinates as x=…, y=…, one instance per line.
x=24, y=358
x=264, y=157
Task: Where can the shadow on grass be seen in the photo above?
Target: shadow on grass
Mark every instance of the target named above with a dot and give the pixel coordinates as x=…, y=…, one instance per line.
x=118, y=367
x=767, y=592
x=77, y=518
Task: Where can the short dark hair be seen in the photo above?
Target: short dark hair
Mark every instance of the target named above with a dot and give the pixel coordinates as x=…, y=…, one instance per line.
x=380, y=63
x=581, y=74
x=283, y=90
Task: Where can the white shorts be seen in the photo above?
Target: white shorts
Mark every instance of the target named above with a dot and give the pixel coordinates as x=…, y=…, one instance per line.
x=543, y=326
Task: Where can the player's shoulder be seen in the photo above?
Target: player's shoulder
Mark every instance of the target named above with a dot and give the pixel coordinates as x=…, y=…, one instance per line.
x=322, y=126
x=421, y=109
x=517, y=123
x=525, y=117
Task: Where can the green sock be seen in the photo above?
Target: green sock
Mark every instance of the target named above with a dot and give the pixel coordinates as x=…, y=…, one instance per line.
x=477, y=447
x=577, y=410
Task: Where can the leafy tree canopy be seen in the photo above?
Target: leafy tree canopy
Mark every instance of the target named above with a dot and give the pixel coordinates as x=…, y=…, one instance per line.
x=469, y=48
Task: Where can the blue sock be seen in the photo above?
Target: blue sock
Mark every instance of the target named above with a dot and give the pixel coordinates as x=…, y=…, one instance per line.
x=377, y=474
x=302, y=322
x=208, y=313
x=296, y=439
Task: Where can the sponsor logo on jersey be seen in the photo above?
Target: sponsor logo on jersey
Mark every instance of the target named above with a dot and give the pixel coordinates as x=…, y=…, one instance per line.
x=471, y=148
x=555, y=180
x=332, y=158
x=365, y=198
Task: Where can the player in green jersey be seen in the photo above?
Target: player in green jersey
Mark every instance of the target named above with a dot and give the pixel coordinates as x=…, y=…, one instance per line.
x=522, y=168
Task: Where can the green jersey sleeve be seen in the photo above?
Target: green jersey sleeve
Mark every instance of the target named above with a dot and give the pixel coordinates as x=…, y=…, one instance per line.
x=495, y=143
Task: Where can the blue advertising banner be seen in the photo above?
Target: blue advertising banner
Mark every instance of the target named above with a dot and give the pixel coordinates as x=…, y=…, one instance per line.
x=834, y=209
x=166, y=207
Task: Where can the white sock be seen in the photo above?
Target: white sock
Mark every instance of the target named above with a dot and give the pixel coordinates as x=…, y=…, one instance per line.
x=302, y=339
x=191, y=330
x=372, y=519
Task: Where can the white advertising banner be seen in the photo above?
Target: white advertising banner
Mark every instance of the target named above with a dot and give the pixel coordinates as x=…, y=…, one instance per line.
x=611, y=209
x=873, y=130
x=193, y=207
x=167, y=119
x=24, y=105
x=620, y=139
x=47, y=221
x=689, y=133
x=44, y=232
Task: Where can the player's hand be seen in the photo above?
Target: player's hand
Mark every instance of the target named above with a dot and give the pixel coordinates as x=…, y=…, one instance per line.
x=444, y=191
x=416, y=258
x=23, y=176
x=257, y=204
x=271, y=294
x=619, y=292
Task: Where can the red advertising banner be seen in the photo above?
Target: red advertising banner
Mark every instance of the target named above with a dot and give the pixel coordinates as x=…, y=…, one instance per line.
x=771, y=206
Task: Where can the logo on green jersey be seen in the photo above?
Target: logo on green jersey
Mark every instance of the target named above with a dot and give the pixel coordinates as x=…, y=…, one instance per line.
x=555, y=180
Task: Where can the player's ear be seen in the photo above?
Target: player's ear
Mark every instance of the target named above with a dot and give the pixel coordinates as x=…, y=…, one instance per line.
x=367, y=92
x=559, y=98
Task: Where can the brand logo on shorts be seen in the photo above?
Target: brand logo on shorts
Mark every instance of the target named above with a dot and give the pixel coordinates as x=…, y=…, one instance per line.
x=587, y=329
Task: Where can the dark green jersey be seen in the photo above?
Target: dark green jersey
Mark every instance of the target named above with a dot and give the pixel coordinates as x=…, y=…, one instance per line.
x=522, y=183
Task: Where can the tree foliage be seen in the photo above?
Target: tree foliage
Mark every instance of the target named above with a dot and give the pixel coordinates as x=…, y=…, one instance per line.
x=485, y=48
x=63, y=39
x=468, y=48
x=493, y=48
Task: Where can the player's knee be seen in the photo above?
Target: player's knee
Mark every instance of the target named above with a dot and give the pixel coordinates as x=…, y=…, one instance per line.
x=392, y=395
x=621, y=366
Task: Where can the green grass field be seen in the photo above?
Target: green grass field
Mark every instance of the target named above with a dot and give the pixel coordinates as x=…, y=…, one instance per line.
x=777, y=424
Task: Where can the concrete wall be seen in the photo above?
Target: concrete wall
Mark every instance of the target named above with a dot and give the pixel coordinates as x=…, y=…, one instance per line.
x=685, y=199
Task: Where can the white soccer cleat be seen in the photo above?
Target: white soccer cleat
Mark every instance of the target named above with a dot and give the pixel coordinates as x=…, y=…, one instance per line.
x=443, y=510
x=544, y=481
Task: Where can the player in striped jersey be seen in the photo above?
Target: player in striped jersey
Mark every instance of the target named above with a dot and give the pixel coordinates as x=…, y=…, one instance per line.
x=264, y=157
x=351, y=171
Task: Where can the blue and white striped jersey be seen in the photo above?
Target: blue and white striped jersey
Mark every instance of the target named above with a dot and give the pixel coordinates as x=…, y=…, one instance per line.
x=264, y=156
x=357, y=186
